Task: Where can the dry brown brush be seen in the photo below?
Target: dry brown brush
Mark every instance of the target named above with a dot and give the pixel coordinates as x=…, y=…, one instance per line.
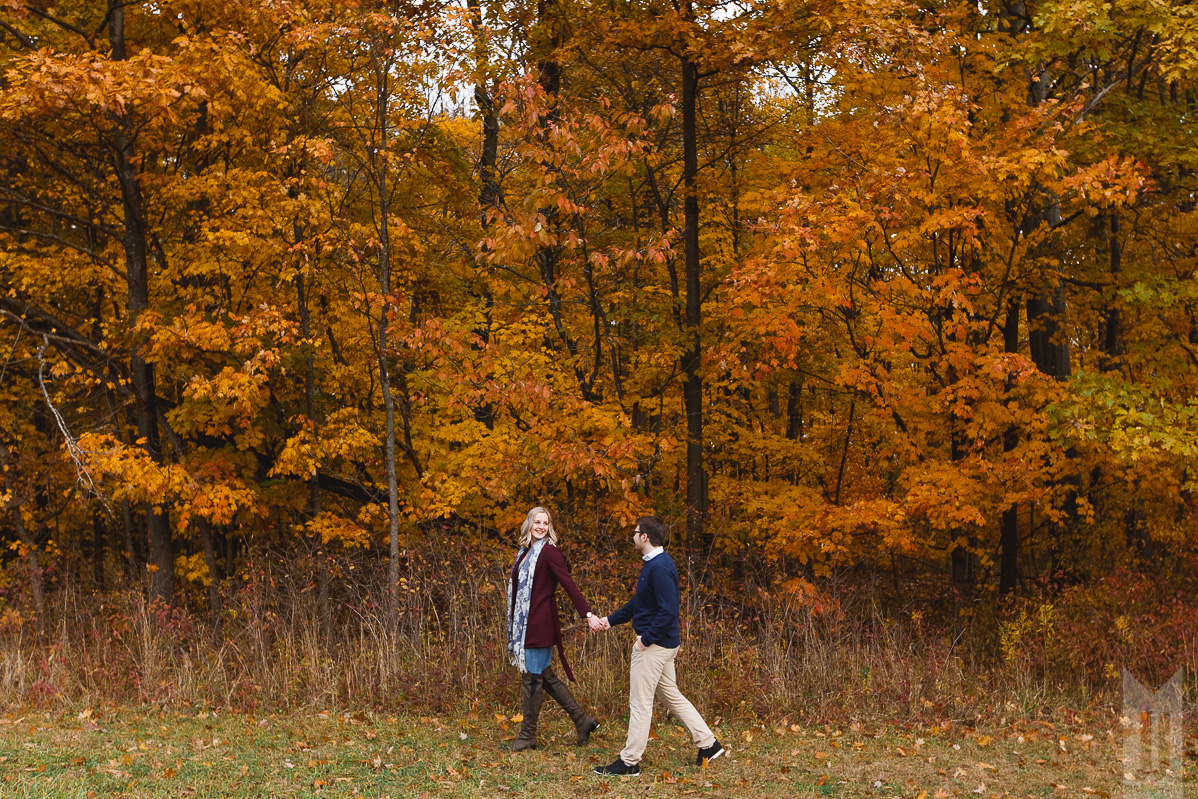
x=750, y=650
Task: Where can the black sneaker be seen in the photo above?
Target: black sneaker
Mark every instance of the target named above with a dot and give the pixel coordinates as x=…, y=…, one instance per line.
x=619, y=768
x=709, y=754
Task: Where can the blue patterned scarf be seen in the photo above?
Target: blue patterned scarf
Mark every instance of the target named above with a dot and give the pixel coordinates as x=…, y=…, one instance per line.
x=518, y=604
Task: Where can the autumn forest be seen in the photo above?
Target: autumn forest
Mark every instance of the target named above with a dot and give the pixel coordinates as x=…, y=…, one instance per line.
x=889, y=308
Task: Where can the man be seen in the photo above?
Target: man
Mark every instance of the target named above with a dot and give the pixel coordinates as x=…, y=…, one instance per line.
x=653, y=611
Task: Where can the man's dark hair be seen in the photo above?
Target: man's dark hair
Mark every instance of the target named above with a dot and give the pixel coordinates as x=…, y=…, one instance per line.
x=653, y=527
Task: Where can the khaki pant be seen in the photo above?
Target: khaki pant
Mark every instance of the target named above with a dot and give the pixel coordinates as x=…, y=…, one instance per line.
x=652, y=674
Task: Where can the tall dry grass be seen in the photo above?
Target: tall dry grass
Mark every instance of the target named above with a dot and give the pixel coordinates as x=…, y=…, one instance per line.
x=749, y=652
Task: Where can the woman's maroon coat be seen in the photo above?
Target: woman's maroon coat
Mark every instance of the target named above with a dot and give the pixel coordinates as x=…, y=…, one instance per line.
x=544, y=627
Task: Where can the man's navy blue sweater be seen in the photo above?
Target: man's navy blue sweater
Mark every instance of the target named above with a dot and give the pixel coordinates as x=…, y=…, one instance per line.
x=653, y=609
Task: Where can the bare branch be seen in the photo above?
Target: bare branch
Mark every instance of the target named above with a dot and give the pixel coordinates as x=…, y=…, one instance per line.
x=83, y=472
x=25, y=41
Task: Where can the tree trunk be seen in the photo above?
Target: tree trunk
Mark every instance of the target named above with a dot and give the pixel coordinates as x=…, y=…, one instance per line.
x=379, y=168
x=210, y=561
x=26, y=538
x=1046, y=333
x=490, y=195
x=794, y=410
x=1113, y=335
x=35, y=569
x=127, y=527
x=162, y=558
x=961, y=559
x=99, y=545
x=322, y=560
x=692, y=359
x=1008, y=569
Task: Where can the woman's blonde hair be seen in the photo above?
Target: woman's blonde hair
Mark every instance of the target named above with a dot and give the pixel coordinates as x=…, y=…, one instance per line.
x=526, y=528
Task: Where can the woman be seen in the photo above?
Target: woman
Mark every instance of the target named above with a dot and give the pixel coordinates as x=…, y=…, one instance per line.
x=533, y=628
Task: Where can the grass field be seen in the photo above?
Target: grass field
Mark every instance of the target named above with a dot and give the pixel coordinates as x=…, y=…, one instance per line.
x=130, y=753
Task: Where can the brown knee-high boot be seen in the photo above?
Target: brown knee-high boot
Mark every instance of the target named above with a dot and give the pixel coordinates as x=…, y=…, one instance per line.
x=530, y=700
x=584, y=724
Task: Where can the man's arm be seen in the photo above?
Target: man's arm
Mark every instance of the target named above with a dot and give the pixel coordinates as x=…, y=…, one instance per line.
x=623, y=615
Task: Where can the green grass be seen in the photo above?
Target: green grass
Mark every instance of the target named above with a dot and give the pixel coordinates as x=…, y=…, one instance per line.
x=124, y=752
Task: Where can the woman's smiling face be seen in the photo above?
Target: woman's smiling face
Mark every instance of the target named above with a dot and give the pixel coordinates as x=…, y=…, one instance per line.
x=540, y=526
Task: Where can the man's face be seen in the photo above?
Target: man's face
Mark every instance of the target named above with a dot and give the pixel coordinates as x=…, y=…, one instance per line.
x=639, y=538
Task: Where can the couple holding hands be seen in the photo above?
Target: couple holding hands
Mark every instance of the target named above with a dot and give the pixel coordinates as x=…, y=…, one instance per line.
x=534, y=630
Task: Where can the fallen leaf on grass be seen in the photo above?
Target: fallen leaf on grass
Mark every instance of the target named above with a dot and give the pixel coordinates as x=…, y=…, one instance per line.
x=980, y=789
x=985, y=766
x=984, y=740
x=821, y=780
x=820, y=755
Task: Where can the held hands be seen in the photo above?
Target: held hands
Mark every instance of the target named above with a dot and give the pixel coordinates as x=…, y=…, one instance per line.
x=598, y=624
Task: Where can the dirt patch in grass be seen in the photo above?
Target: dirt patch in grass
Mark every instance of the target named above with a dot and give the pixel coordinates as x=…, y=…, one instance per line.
x=131, y=753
